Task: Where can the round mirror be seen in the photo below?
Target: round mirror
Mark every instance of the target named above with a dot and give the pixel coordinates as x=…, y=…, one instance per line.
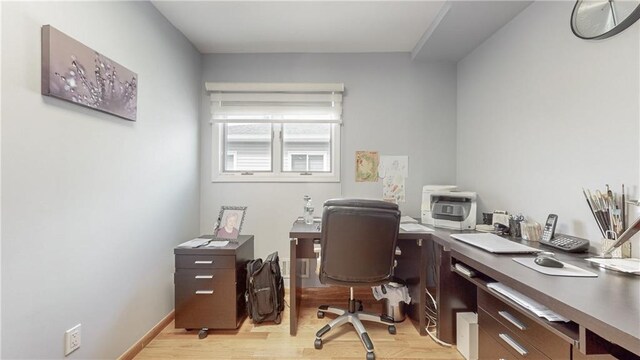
x=599, y=19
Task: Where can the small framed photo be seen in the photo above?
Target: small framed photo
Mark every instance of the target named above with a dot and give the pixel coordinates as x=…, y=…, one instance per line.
x=229, y=222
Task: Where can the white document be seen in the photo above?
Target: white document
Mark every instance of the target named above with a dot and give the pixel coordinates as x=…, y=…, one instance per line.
x=194, y=242
x=415, y=228
x=218, y=243
x=631, y=266
x=408, y=219
x=526, y=302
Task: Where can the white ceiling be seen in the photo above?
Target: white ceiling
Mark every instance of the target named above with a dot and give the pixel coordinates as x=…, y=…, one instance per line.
x=441, y=30
x=463, y=25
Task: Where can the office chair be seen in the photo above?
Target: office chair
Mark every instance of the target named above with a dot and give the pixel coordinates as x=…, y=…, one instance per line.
x=357, y=249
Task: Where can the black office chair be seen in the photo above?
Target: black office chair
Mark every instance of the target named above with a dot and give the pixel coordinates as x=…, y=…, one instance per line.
x=357, y=249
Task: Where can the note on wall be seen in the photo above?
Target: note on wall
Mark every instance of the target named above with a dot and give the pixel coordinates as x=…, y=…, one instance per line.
x=367, y=166
x=393, y=170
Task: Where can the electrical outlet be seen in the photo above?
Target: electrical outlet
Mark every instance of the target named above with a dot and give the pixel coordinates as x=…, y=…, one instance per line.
x=72, y=339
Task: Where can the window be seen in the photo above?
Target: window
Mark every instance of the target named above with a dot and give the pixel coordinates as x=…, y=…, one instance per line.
x=306, y=163
x=276, y=132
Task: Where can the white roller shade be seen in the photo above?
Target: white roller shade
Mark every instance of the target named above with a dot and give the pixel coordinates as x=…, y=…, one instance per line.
x=275, y=102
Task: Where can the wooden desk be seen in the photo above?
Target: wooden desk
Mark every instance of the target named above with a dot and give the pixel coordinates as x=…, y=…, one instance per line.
x=412, y=268
x=604, y=311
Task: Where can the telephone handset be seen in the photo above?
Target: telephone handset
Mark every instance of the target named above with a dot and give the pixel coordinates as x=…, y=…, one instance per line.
x=549, y=228
x=561, y=242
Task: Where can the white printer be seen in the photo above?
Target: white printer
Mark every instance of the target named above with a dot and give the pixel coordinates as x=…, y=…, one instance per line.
x=427, y=190
x=454, y=209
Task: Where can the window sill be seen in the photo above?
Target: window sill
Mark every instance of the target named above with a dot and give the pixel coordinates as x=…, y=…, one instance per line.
x=237, y=178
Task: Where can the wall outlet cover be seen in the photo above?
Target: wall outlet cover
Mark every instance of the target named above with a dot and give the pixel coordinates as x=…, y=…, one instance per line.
x=72, y=339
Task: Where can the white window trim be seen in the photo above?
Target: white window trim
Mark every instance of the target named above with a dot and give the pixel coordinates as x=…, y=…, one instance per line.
x=217, y=158
x=234, y=154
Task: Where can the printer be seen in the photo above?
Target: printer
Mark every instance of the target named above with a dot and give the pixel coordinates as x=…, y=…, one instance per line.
x=454, y=209
x=427, y=190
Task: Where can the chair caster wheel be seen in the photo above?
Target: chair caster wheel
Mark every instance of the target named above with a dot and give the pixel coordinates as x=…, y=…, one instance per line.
x=203, y=333
x=371, y=356
x=392, y=329
x=317, y=344
x=360, y=307
x=320, y=314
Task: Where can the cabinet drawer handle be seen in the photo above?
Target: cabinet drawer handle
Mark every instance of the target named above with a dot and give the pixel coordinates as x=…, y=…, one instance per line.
x=204, y=292
x=512, y=319
x=204, y=276
x=204, y=262
x=517, y=347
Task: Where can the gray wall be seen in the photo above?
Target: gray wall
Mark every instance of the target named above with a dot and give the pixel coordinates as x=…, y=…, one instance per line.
x=542, y=114
x=391, y=104
x=94, y=204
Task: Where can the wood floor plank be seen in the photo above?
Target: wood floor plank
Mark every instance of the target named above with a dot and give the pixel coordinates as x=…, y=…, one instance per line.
x=271, y=341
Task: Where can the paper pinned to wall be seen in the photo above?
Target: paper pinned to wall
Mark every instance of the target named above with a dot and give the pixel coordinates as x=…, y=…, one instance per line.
x=394, y=165
x=367, y=163
x=393, y=170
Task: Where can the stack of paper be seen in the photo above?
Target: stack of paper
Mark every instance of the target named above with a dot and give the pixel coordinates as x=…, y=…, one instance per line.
x=194, y=243
x=408, y=219
x=631, y=266
x=525, y=302
x=415, y=228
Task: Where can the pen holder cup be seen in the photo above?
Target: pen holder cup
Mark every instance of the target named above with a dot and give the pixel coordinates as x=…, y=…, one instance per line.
x=623, y=251
x=531, y=231
x=515, y=229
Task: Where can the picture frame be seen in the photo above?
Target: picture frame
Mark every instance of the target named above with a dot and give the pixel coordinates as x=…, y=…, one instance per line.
x=229, y=222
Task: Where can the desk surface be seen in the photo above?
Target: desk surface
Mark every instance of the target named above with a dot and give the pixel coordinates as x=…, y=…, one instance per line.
x=301, y=230
x=608, y=305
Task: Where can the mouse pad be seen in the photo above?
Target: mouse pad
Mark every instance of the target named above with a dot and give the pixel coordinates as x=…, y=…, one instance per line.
x=567, y=270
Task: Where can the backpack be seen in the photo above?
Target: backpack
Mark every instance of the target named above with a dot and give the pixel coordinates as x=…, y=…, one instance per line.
x=265, y=290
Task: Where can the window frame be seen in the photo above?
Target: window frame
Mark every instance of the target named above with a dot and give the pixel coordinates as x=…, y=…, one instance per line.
x=307, y=154
x=277, y=174
x=234, y=154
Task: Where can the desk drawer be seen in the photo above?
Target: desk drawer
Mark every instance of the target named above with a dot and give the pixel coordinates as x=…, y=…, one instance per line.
x=489, y=349
x=205, y=261
x=517, y=347
x=524, y=327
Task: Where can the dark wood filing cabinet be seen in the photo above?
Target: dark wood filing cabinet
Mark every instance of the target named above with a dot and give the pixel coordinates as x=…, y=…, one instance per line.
x=210, y=283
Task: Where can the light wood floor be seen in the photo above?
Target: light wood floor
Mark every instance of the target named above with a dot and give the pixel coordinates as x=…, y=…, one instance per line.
x=270, y=341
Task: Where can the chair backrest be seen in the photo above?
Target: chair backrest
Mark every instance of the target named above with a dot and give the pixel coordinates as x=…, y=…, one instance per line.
x=358, y=241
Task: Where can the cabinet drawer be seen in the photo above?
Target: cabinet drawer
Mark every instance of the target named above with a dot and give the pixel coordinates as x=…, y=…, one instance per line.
x=524, y=327
x=193, y=280
x=210, y=308
x=519, y=348
x=489, y=349
x=205, y=298
x=205, y=262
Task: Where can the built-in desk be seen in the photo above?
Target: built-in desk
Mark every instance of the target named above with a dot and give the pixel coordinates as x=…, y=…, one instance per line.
x=604, y=311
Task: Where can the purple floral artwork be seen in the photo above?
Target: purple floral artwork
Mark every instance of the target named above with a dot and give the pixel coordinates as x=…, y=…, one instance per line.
x=74, y=72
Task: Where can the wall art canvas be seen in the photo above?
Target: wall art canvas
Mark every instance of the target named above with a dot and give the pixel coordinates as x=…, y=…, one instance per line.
x=367, y=166
x=74, y=72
